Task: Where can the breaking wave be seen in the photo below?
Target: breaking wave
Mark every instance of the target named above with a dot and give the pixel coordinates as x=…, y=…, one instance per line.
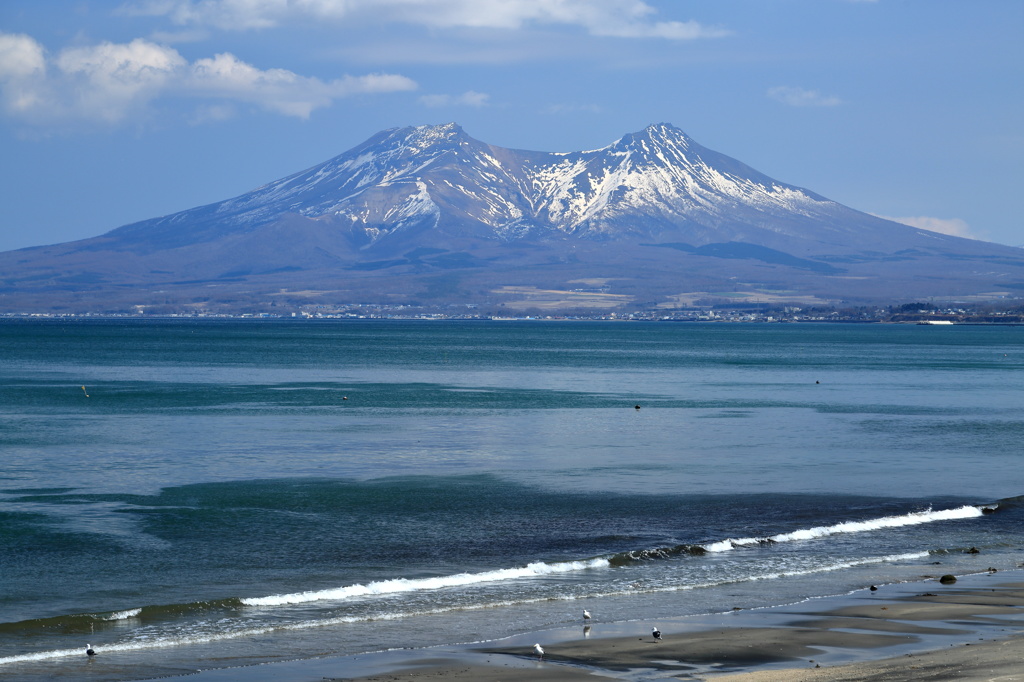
x=229, y=607
x=911, y=519
x=436, y=583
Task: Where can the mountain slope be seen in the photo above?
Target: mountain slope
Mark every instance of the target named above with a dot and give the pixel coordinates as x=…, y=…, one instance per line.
x=430, y=214
x=647, y=183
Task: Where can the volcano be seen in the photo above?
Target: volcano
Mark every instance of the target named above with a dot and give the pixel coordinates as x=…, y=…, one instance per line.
x=429, y=216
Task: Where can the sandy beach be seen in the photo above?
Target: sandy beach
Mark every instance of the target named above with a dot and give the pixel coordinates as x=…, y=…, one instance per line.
x=972, y=630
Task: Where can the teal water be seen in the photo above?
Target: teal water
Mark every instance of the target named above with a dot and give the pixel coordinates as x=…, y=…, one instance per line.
x=230, y=492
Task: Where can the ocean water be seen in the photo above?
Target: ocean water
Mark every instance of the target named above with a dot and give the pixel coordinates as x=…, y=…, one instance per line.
x=187, y=495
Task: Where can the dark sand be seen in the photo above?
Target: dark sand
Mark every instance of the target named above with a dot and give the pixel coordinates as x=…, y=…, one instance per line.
x=972, y=631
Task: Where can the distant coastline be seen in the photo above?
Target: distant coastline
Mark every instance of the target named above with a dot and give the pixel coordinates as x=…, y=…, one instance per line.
x=1008, y=317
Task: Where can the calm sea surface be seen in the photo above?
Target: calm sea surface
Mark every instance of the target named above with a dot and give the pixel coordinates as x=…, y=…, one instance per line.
x=189, y=495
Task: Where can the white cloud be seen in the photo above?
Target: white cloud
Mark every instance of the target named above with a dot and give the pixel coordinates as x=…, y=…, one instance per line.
x=225, y=14
x=280, y=90
x=22, y=65
x=20, y=56
x=799, y=97
x=470, y=98
x=951, y=226
x=111, y=81
x=615, y=18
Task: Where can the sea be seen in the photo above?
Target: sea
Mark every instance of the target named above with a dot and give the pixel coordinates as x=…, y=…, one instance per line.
x=183, y=495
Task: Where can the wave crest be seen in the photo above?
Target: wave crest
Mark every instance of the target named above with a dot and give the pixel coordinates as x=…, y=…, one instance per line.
x=436, y=583
x=911, y=519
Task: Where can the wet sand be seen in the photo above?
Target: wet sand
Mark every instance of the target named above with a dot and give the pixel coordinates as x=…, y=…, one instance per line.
x=969, y=631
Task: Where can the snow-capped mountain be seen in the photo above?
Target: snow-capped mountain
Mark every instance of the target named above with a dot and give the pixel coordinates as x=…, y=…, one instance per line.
x=650, y=184
x=428, y=214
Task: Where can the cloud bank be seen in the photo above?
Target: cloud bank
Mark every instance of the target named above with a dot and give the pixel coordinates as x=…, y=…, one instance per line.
x=110, y=82
x=614, y=18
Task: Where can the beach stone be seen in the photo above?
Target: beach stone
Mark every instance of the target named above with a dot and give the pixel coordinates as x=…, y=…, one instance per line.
x=947, y=579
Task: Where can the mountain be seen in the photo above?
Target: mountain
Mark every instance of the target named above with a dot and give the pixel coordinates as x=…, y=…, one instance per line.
x=430, y=216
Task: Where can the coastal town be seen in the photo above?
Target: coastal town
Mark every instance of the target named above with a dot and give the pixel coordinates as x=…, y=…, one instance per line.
x=1012, y=313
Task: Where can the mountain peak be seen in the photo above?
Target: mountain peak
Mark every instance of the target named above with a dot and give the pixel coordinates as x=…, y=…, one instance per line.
x=657, y=134
x=426, y=136
x=428, y=211
x=663, y=130
x=647, y=184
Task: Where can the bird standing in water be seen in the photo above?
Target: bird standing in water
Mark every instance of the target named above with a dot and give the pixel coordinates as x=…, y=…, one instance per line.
x=538, y=650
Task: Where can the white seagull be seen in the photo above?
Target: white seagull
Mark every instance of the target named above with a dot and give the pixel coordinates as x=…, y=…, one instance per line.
x=538, y=650
x=586, y=615
x=656, y=633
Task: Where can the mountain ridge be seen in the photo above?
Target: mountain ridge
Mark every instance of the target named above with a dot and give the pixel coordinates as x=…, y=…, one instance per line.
x=654, y=212
x=549, y=182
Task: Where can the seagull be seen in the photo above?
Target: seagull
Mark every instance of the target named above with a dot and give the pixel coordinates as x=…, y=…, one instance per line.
x=89, y=651
x=656, y=633
x=586, y=615
x=538, y=650
x=85, y=392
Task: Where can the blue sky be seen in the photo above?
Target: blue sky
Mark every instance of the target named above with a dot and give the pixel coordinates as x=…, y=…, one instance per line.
x=118, y=111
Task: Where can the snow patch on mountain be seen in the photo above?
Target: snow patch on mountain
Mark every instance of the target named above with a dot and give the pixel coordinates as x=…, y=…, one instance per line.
x=642, y=184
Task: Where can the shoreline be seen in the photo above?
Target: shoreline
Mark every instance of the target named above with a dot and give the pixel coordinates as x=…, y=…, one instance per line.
x=972, y=627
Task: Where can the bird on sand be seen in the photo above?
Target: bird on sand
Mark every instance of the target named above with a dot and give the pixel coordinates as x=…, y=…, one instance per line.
x=656, y=633
x=586, y=616
x=89, y=651
x=537, y=649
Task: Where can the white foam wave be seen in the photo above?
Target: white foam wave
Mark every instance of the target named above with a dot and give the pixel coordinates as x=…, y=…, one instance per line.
x=139, y=645
x=792, y=573
x=891, y=558
x=123, y=615
x=416, y=584
x=911, y=519
x=207, y=637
